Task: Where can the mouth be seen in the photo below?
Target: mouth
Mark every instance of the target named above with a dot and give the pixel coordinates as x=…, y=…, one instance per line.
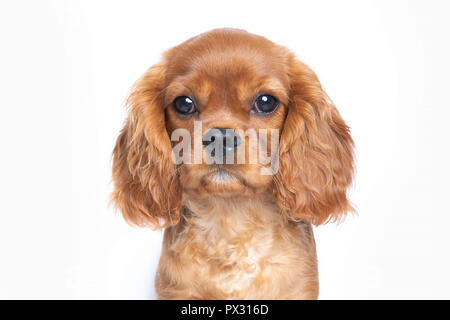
x=221, y=176
x=222, y=180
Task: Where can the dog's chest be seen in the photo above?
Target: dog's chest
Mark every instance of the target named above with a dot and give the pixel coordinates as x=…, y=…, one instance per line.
x=241, y=259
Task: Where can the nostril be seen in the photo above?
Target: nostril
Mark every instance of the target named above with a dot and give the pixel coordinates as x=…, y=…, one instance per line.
x=230, y=139
x=208, y=142
x=237, y=140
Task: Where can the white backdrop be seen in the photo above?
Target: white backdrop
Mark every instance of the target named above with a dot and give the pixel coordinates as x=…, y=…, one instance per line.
x=66, y=68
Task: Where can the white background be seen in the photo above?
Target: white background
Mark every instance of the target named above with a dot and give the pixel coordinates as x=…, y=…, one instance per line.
x=65, y=71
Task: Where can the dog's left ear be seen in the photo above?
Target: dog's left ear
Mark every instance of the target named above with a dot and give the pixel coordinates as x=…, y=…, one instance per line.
x=146, y=185
x=315, y=155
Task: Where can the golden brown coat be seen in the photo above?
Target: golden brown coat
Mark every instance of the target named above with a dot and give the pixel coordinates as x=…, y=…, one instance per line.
x=250, y=238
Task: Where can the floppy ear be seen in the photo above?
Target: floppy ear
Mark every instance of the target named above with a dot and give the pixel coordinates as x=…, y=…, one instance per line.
x=146, y=185
x=315, y=155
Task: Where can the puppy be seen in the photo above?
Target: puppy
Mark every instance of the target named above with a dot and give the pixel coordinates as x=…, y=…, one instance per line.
x=233, y=230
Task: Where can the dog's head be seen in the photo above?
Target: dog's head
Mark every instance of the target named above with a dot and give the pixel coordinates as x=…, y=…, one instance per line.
x=231, y=114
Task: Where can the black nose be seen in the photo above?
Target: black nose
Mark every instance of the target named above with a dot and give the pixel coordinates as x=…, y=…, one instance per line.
x=230, y=140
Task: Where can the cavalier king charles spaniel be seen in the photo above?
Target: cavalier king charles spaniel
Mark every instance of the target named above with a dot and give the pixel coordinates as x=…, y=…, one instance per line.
x=233, y=230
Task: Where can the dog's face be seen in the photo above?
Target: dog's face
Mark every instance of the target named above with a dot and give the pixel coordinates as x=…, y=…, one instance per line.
x=230, y=83
x=238, y=83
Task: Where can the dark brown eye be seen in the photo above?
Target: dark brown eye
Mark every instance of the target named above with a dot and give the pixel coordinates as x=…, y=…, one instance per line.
x=184, y=105
x=265, y=104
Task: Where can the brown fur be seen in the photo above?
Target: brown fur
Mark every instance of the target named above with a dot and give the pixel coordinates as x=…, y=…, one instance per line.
x=250, y=238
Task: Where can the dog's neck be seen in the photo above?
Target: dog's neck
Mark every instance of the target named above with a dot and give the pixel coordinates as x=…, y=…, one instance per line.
x=220, y=216
x=242, y=247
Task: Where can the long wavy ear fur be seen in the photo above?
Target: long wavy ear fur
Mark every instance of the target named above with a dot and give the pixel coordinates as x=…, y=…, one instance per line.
x=146, y=184
x=316, y=153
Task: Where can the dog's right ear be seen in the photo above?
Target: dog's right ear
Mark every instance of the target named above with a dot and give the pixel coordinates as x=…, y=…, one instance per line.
x=316, y=163
x=146, y=184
